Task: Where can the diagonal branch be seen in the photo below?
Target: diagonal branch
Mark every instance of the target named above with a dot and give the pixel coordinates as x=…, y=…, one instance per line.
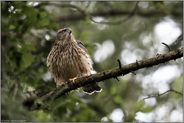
x=113, y=73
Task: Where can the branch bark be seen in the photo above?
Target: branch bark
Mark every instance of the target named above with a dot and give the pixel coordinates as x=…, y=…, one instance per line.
x=113, y=73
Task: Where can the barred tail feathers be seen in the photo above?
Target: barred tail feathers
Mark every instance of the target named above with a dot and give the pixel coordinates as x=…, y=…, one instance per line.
x=91, y=88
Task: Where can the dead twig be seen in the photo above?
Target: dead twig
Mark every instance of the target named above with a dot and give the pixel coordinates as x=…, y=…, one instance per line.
x=119, y=63
x=166, y=46
x=161, y=94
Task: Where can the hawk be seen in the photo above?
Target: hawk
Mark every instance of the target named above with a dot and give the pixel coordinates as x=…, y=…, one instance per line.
x=69, y=59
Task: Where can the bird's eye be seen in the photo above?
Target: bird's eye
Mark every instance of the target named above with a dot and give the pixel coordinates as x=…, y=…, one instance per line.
x=64, y=30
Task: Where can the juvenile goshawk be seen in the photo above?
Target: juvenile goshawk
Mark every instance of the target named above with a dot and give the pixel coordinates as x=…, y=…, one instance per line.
x=69, y=59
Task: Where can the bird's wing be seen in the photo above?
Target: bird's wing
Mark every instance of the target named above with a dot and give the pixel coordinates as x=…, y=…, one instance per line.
x=81, y=45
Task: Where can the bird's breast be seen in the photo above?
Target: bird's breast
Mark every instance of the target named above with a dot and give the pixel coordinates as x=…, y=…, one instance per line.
x=75, y=62
x=70, y=62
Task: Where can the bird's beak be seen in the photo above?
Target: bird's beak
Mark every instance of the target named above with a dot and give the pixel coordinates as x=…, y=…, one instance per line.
x=69, y=31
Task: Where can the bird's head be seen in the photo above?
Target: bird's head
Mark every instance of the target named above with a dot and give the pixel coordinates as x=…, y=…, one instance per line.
x=64, y=35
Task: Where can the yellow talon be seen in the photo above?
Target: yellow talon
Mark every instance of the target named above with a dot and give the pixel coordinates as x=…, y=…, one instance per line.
x=73, y=79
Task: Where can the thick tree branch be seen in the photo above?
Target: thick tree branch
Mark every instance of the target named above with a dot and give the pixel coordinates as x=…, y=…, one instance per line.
x=79, y=82
x=114, y=73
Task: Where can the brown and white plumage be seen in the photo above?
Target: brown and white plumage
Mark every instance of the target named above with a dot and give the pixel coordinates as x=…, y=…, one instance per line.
x=68, y=59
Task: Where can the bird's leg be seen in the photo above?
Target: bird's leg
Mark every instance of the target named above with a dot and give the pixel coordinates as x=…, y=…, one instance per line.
x=78, y=76
x=60, y=83
x=87, y=74
x=73, y=79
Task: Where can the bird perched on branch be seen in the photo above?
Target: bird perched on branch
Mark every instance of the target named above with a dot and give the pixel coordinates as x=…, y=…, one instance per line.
x=69, y=59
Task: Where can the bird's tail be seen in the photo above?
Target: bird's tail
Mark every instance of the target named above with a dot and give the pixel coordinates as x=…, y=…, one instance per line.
x=91, y=88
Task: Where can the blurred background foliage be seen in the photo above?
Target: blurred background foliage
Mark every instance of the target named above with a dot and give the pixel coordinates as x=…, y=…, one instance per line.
x=128, y=31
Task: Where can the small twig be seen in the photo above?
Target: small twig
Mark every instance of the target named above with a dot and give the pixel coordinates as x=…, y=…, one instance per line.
x=119, y=21
x=133, y=73
x=119, y=63
x=166, y=92
x=116, y=78
x=137, y=63
x=88, y=4
x=59, y=4
x=133, y=12
x=166, y=46
x=157, y=54
x=177, y=92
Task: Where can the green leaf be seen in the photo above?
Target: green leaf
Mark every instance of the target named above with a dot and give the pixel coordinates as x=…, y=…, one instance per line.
x=27, y=59
x=42, y=116
x=11, y=27
x=118, y=99
x=139, y=105
x=147, y=109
